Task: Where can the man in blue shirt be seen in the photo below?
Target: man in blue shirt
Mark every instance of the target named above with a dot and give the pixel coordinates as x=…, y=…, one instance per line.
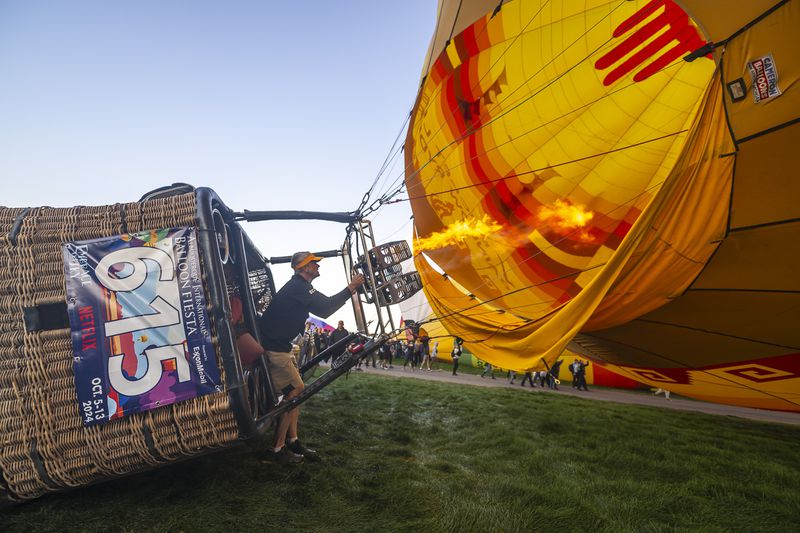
x=283, y=320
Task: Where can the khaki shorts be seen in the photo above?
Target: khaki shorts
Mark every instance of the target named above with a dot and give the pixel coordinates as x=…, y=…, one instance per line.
x=283, y=369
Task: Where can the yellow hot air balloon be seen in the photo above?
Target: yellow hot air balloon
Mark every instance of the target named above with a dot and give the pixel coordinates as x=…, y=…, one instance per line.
x=621, y=176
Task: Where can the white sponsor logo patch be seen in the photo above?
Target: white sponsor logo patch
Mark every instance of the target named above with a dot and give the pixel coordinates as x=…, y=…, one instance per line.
x=765, y=78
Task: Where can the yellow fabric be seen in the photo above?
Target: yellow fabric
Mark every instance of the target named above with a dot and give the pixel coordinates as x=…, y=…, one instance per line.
x=732, y=336
x=675, y=247
x=719, y=19
x=624, y=204
x=520, y=344
x=779, y=36
x=479, y=115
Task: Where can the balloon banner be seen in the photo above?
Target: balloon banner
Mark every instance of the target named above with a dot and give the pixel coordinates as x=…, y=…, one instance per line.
x=140, y=332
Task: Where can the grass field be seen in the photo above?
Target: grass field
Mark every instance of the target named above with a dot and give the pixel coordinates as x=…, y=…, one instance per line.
x=409, y=455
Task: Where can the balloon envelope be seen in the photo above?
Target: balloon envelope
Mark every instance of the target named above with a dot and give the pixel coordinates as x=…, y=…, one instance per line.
x=576, y=179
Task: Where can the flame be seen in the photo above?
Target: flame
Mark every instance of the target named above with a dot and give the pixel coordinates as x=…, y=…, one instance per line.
x=458, y=232
x=563, y=216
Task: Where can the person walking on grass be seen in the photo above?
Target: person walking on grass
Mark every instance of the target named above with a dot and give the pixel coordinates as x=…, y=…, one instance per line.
x=281, y=322
x=426, y=355
x=527, y=377
x=573, y=369
x=552, y=375
x=371, y=357
x=306, y=343
x=321, y=340
x=580, y=376
x=488, y=370
x=386, y=351
x=417, y=355
x=338, y=334
x=456, y=353
x=409, y=355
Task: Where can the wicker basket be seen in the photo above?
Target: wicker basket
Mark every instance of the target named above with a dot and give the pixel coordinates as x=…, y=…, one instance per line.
x=44, y=444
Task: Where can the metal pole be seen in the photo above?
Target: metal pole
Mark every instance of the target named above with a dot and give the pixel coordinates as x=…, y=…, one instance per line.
x=361, y=225
x=358, y=309
x=256, y=216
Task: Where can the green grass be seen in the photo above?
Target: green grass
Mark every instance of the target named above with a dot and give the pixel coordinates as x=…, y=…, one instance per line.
x=409, y=455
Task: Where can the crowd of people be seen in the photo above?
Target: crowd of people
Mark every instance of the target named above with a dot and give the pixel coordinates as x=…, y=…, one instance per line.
x=549, y=378
x=316, y=339
x=416, y=355
x=419, y=353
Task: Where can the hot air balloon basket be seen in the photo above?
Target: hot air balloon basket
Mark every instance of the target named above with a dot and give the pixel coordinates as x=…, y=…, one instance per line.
x=116, y=351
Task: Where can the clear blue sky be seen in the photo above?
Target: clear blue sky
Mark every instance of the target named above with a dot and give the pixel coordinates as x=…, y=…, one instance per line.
x=275, y=105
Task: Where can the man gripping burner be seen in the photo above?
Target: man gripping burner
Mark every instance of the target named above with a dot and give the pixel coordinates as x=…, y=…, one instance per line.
x=281, y=322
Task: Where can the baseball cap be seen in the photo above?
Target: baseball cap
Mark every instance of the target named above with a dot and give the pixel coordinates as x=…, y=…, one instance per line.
x=301, y=259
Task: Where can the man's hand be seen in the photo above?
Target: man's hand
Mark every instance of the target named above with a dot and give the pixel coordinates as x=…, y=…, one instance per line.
x=356, y=282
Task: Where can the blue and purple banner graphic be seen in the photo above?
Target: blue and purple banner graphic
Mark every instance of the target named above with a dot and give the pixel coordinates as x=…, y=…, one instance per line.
x=140, y=331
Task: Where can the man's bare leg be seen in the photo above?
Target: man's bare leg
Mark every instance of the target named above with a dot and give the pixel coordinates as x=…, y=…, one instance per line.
x=280, y=431
x=292, y=433
x=287, y=423
x=286, y=434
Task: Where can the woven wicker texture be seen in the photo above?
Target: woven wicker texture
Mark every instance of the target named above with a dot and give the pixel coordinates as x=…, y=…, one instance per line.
x=44, y=446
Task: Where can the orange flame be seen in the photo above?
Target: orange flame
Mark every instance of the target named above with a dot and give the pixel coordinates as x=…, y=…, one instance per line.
x=458, y=232
x=565, y=217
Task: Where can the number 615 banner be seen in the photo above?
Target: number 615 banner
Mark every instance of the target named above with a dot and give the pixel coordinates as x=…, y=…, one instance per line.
x=140, y=331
